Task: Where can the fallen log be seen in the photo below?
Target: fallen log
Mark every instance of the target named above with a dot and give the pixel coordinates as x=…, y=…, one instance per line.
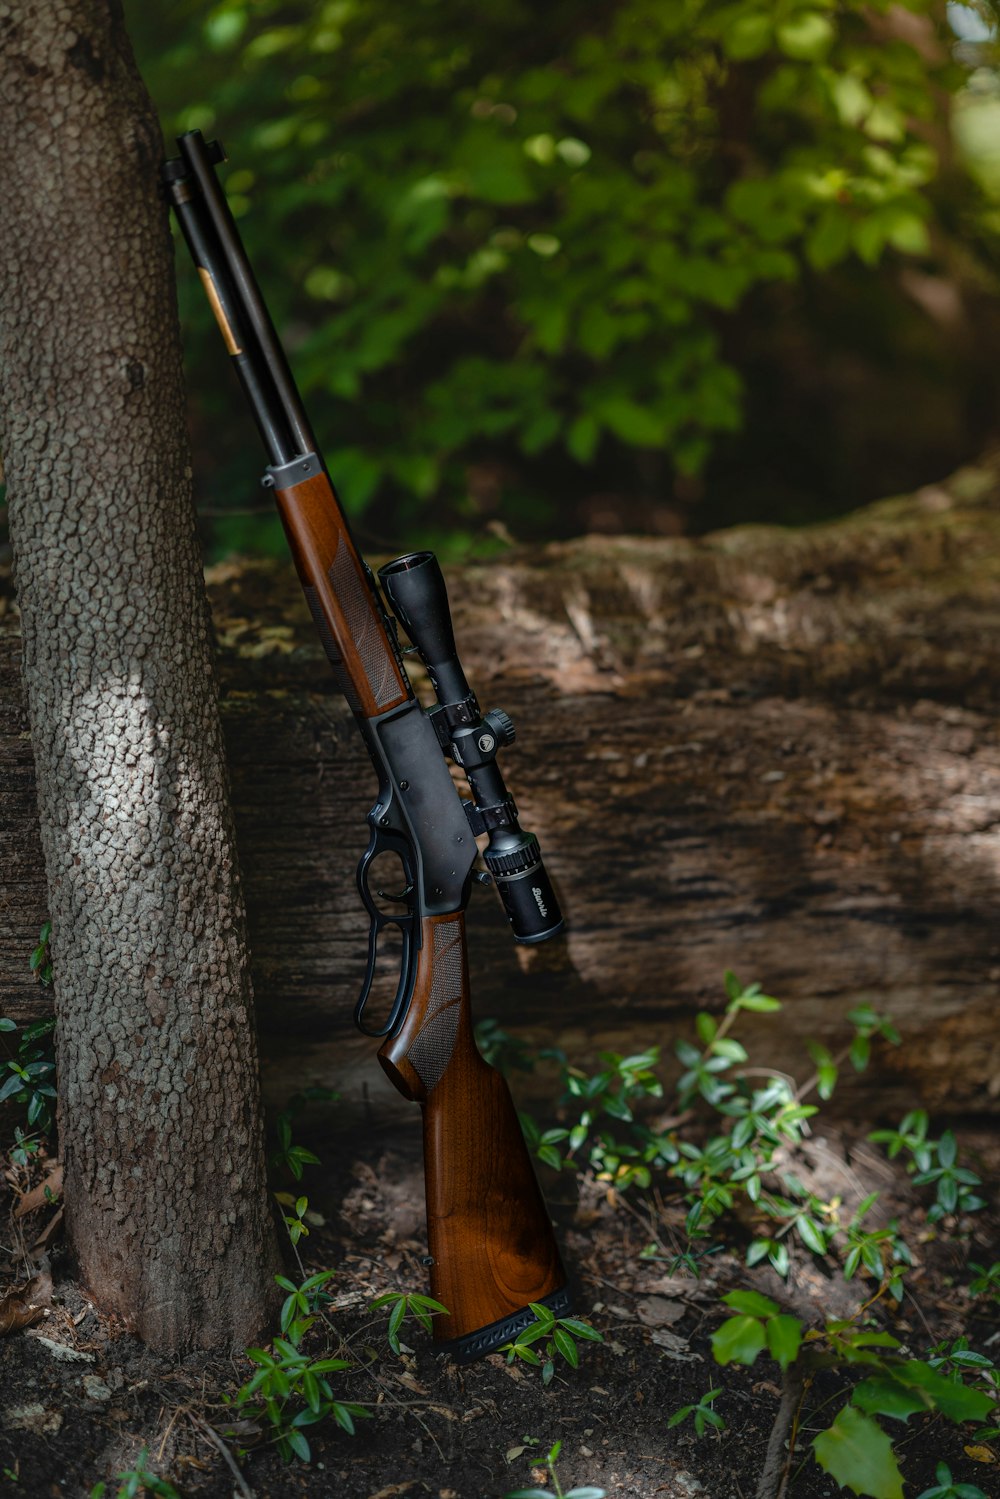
x=769, y=750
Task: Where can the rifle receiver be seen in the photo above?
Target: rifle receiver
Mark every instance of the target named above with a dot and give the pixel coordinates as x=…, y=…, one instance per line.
x=415, y=588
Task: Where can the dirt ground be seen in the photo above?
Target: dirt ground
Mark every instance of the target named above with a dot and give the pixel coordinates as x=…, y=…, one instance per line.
x=79, y=1397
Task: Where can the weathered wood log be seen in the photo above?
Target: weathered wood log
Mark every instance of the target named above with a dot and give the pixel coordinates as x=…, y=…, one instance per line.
x=769, y=750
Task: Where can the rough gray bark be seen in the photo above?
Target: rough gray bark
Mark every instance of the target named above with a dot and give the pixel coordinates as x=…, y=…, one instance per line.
x=158, y=1112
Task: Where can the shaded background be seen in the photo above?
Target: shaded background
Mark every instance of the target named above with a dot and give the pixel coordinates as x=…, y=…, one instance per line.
x=616, y=267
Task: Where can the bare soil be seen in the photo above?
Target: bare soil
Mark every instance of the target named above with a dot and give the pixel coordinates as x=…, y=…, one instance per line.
x=80, y=1397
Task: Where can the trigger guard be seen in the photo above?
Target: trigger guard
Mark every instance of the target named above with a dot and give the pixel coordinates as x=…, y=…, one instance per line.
x=380, y=843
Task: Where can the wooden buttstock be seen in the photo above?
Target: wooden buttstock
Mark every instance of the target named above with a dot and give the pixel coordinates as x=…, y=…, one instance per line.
x=491, y=1242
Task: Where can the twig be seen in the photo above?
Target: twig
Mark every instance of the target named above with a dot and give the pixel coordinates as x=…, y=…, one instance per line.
x=774, y=1474
x=241, y=1486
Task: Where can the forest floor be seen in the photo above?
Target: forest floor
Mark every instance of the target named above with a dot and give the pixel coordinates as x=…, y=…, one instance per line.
x=80, y=1398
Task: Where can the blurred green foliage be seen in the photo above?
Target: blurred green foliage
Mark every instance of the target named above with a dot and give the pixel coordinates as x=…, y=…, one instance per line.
x=505, y=244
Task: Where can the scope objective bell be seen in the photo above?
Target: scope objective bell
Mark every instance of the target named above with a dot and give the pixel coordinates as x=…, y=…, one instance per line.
x=524, y=886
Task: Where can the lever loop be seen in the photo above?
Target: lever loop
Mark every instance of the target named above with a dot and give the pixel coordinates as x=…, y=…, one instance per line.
x=407, y=924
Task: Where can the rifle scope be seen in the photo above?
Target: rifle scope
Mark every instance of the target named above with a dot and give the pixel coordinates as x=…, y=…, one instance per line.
x=416, y=591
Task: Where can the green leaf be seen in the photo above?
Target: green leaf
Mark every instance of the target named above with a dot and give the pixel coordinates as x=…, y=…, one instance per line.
x=747, y=36
x=762, y=1004
x=7, y=1025
x=582, y=1329
x=583, y=437
x=881, y=1395
x=807, y=36
x=730, y=1049
x=811, y=1235
x=778, y=1256
x=542, y=1313
x=631, y=422
x=826, y=1081
x=953, y=1400
x=566, y=1346
x=851, y=98
x=298, y=1444
x=343, y=1415
x=705, y=1025
x=752, y=1303
x=784, y=1337
x=857, y=1453
x=429, y=1303
x=738, y=1340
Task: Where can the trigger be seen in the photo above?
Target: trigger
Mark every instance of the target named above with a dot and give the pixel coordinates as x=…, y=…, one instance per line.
x=399, y=899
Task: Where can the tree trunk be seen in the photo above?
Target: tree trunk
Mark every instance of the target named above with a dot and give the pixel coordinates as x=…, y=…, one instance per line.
x=159, y=1115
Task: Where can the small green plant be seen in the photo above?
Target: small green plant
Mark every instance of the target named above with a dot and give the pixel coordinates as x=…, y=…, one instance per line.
x=294, y=1158
x=611, y=1094
x=947, y=1488
x=24, y=1147
x=703, y=1413
x=421, y=1308
x=295, y=1220
x=964, y=1366
x=558, y=1335
x=290, y=1390
x=29, y=1077
x=854, y=1449
x=746, y=1139
x=557, y=1489
x=506, y=1052
x=933, y=1163
x=306, y=1300
x=689, y=1259
x=138, y=1480
x=986, y=1281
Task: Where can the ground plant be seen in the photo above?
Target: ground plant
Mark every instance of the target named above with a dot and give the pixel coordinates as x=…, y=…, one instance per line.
x=732, y=1150
x=587, y=1492
x=726, y=1140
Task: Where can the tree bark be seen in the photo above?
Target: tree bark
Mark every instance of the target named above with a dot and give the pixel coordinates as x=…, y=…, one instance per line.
x=773, y=750
x=159, y=1114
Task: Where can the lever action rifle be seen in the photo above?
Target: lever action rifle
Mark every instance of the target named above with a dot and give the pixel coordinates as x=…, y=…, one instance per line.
x=492, y=1249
